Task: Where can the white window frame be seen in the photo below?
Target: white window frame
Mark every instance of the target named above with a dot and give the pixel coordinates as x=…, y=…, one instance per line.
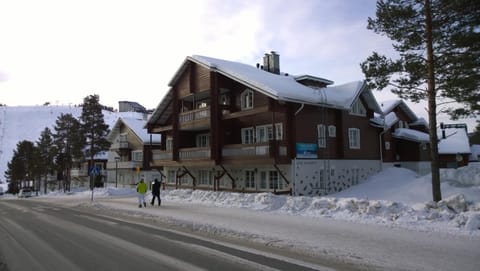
x=248, y=135
x=263, y=180
x=321, y=136
x=204, y=177
x=358, y=108
x=274, y=181
x=169, y=144
x=332, y=131
x=246, y=99
x=250, y=180
x=354, y=138
x=264, y=133
x=137, y=156
x=279, y=131
x=202, y=140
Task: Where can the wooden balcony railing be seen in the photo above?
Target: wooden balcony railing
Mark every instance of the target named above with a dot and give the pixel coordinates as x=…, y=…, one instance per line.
x=198, y=114
x=194, y=153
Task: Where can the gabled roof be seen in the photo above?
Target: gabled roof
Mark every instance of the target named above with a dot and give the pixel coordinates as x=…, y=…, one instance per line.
x=137, y=126
x=279, y=87
x=388, y=106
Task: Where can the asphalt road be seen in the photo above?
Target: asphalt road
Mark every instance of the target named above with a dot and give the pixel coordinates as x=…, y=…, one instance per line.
x=41, y=236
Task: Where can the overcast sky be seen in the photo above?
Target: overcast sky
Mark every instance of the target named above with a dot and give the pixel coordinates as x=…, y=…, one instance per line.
x=60, y=51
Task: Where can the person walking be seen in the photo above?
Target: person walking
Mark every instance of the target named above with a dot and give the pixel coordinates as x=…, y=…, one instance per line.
x=156, y=192
x=141, y=191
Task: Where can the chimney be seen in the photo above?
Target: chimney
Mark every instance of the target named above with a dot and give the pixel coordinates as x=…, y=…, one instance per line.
x=271, y=62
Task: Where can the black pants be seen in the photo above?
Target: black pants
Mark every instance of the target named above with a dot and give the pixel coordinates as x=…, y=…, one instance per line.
x=153, y=199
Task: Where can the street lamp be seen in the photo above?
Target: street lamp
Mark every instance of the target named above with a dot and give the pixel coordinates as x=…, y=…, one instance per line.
x=116, y=170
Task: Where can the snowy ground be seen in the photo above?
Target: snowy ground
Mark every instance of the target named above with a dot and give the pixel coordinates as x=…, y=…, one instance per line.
x=394, y=197
x=392, y=205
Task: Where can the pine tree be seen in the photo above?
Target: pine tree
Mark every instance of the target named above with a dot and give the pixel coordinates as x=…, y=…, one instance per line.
x=69, y=142
x=22, y=167
x=94, y=129
x=438, y=42
x=47, y=151
x=475, y=138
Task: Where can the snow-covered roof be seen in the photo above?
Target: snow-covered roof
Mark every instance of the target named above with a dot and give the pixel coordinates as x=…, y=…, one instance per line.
x=278, y=87
x=389, y=105
x=386, y=121
x=412, y=135
x=455, y=141
x=137, y=126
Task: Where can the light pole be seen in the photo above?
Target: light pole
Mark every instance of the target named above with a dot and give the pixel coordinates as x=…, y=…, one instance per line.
x=116, y=170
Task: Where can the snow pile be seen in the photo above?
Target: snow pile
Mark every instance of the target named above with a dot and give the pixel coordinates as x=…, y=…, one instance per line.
x=454, y=212
x=393, y=197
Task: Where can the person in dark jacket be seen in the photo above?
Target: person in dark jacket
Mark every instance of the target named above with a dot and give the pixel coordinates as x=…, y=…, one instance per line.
x=156, y=192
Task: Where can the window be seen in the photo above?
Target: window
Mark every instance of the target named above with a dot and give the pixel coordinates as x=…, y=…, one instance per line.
x=137, y=156
x=263, y=180
x=354, y=138
x=171, y=176
x=265, y=132
x=203, y=140
x=322, y=140
x=332, y=131
x=358, y=108
x=274, y=180
x=279, y=131
x=402, y=124
x=247, y=99
x=204, y=177
x=169, y=144
x=248, y=137
x=250, y=179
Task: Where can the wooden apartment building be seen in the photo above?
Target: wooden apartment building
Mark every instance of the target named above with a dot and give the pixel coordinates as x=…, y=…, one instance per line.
x=230, y=126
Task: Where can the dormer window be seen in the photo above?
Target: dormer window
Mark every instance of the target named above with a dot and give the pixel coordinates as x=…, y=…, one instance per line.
x=358, y=109
x=247, y=99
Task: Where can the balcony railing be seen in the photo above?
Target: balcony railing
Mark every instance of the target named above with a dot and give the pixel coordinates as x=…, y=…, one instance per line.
x=120, y=145
x=161, y=155
x=198, y=114
x=124, y=164
x=246, y=150
x=228, y=151
x=194, y=153
x=257, y=149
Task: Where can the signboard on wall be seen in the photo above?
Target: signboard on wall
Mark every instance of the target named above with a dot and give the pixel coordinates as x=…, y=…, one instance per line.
x=306, y=150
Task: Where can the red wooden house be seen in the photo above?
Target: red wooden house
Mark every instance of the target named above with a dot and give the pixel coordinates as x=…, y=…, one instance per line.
x=231, y=126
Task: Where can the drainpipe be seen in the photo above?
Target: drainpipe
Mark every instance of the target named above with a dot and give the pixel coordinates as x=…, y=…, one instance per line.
x=300, y=109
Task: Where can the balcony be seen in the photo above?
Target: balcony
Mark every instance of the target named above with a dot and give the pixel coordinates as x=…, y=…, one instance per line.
x=229, y=152
x=195, y=119
x=121, y=145
x=257, y=150
x=124, y=164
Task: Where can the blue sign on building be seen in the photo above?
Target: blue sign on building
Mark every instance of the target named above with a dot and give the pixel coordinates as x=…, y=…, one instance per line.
x=306, y=150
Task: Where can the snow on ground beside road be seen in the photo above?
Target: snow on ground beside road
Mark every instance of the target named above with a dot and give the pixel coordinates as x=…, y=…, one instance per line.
x=393, y=197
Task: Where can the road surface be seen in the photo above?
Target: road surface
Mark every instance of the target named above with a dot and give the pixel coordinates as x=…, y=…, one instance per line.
x=42, y=236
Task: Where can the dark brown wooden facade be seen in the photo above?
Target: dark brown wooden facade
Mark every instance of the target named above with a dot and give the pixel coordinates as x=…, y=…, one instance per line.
x=204, y=123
